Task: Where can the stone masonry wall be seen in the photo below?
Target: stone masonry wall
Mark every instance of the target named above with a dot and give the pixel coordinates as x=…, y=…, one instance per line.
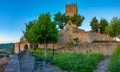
x=105, y=48
x=66, y=38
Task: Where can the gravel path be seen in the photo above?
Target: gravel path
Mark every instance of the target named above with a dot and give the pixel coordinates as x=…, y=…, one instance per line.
x=102, y=67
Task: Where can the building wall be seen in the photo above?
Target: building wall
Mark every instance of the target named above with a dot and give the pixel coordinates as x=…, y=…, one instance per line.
x=16, y=47
x=20, y=46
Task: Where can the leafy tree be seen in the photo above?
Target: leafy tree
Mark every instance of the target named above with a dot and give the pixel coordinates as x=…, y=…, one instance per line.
x=94, y=24
x=102, y=25
x=28, y=34
x=77, y=19
x=114, y=28
x=44, y=31
x=61, y=20
x=54, y=35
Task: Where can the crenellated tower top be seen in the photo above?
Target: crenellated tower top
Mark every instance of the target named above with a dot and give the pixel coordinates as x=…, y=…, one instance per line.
x=71, y=9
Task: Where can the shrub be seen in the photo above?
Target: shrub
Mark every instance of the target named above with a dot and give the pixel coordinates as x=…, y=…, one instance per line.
x=114, y=64
x=76, y=62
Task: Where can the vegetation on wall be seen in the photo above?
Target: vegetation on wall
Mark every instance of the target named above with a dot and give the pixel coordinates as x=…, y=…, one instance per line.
x=76, y=41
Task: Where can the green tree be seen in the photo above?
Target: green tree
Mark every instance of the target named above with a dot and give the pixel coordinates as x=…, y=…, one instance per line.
x=94, y=24
x=113, y=29
x=77, y=19
x=61, y=20
x=102, y=25
x=54, y=35
x=28, y=34
x=44, y=31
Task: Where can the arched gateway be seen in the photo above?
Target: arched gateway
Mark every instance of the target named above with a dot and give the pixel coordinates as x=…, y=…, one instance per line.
x=22, y=45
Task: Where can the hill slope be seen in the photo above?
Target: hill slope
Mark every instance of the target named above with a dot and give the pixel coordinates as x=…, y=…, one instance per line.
x=7, y=46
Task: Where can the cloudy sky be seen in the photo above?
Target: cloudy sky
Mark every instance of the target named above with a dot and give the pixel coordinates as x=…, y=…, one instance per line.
x=15, y=13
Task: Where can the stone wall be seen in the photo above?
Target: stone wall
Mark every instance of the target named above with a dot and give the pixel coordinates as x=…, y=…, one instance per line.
x=105, y=48
x=13, y=65
x=16, y=47
x=67, y=36
x=20, y=46
x=3, y=63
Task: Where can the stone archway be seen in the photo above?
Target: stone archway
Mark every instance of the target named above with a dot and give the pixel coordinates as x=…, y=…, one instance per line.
x=25, y=46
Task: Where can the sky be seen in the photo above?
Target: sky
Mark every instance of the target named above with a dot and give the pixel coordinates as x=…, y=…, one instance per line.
x=15, y=13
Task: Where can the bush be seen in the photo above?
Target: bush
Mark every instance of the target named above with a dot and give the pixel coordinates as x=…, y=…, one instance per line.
x=114, y=64
x=77, y=62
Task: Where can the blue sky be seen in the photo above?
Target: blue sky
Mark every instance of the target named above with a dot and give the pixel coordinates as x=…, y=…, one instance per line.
x=15, y=13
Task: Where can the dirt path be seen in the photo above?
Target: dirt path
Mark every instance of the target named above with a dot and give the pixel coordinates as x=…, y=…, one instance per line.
x=102, y=67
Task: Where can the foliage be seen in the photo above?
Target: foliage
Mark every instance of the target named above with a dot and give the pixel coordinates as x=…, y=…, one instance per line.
x=114, y=64
x=94, y=24
x=61, y=20
x=114, y=28
x=76, y=40
x=6, y=51
x=42, y=31
x=7, y=46
x=102, y=25
x=76, y=62
x=77, y=19
x=28, y=33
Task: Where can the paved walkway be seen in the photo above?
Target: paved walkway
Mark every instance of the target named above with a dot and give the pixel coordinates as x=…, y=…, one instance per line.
x=102, y=67
x=27, y=63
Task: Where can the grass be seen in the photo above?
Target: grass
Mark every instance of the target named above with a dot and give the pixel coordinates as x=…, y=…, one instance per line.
x=114, y=64
x=76, y=62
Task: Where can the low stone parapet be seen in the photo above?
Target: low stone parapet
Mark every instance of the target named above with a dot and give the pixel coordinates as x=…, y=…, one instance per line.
x=13, y=65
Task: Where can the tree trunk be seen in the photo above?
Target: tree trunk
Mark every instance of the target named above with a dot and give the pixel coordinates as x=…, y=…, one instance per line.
x=45, y=49
x=53, y=51
x=33, y=45
x=36, y=46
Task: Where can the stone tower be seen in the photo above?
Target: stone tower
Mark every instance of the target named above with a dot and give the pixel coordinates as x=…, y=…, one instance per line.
x=71, y=10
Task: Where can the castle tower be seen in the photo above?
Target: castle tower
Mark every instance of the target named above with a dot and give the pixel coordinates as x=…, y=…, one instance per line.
x=71, y=10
